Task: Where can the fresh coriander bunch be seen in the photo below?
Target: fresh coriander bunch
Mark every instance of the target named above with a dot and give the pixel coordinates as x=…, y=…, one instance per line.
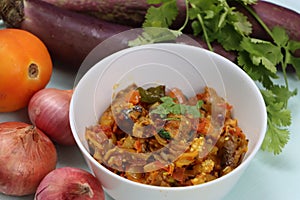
x=218, y=21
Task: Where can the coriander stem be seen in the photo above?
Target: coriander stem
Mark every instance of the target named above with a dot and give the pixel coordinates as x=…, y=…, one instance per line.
x=266, y=28
x=258, y=19
x=186, y=16
x=204, y=29
x=284, y=65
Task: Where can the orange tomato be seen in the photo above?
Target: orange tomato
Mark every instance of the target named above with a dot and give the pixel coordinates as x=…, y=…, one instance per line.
x=25, y=68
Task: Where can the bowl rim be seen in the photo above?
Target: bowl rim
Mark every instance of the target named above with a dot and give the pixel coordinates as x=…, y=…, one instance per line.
x=242, y=165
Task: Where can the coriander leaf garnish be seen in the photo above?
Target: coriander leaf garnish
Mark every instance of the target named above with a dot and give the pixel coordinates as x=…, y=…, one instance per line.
x=168, y=106
x=152, y=94
x=164, y=134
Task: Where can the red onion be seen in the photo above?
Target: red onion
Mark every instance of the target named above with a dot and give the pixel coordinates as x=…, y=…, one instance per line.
x=69, y=183
x=48, y=109
x=27, y=155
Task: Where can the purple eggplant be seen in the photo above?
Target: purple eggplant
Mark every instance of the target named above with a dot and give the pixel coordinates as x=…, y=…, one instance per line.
x=69, y=36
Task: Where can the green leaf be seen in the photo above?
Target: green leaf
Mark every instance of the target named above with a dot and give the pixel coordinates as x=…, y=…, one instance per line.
x=154, y=1
x=241, y=23
x=276, y=138
x=256, y=72
x=153, y=18
x=282, y=94
x=195, y=11
x=266, y=62
x=282, y=117
x=199, y=104
x=247, y=2
x=203, y=3
x=293, y=46
x=161, y=16
x=280, y=36
x=245, y=62
x=295, y=62
x=222, y=18
x=209, y=14
x=155, y=35
x=263, y=52
x=168, y=106
x=229, y=38
x=152, y=94
x=279, y=118
x=197, y=29
x=164, y=134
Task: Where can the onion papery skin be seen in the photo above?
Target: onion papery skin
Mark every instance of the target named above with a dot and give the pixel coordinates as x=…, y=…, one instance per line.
x=69, y=183
x=27, y=155
x=48, y=109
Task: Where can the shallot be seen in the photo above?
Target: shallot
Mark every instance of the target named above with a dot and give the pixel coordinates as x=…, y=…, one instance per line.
x=69, y=183
x=48, y=109
x=27, y=155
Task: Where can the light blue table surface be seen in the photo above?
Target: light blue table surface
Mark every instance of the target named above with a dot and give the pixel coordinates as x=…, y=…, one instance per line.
x=268, y=177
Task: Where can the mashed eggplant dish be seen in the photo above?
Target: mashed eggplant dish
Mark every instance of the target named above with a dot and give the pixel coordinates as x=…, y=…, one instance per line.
x=160, y=137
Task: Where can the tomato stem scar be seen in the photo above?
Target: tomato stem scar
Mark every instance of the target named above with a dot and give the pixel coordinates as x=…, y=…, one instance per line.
x=33, y=70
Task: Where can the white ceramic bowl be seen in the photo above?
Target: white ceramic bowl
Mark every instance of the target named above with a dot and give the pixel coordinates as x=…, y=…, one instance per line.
x=175, y=65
